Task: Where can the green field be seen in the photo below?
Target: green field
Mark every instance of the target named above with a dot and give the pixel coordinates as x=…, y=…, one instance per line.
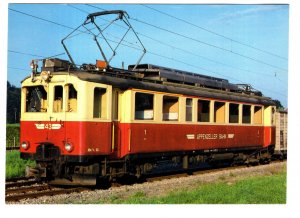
x=15, y=166
x=253, y=190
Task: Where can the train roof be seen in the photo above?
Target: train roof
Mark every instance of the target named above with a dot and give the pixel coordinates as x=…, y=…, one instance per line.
x=126, y=82
x=162, y=79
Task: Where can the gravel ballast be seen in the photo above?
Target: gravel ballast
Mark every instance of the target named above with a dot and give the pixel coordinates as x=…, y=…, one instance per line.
x=158, y=188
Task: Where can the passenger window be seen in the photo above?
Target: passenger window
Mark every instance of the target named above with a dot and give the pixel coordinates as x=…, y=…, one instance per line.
x=58, y=99
x=203, y=110
x=36, y=99
x=72, y=99
x=219, y=112
x=189, y=109
x=170, y=108
x=143, y=106
x=233, y=113
x=257, y=115
x=100, y=97
x=246, y=114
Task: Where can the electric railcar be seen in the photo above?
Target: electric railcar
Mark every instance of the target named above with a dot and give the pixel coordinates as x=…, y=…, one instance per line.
x=86, y=124
x=102, y=124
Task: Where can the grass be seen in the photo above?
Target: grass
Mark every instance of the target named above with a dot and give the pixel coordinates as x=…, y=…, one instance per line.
x=253, y=190
x=15, y=166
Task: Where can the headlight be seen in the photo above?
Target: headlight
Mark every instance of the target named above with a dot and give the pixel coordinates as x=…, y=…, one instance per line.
x=69, y=147
x=25, y=145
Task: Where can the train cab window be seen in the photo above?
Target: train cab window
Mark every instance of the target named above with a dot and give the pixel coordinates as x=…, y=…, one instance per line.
x=36, y=99
x=143, y=106
x=72, y=98
x=170, y=108
x=189, y=109
x=219, y=112
x=203, y=110
x=58, y=99
x=233, y=113
x=246, y=114
x=257, y=119
x=100, y=108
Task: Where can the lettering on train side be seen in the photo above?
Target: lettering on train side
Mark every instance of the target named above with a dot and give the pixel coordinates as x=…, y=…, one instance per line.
x=209, y=136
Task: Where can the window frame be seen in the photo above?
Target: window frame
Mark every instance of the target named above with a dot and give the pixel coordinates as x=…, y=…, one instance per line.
x=105, y=112
x=215, y=112
x=237, y=105
x=209, y=110
x=178, y=108
x=135, y=104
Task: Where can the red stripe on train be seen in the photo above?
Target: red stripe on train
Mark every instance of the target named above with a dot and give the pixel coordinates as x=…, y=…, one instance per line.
x=95, y=138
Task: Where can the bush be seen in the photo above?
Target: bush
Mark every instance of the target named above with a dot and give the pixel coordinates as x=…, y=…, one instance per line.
x=12, y=135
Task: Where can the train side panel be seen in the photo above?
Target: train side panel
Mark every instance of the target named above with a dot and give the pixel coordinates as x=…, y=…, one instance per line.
x=143, y=138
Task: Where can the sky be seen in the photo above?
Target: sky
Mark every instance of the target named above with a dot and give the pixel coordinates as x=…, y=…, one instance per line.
x=242, y=43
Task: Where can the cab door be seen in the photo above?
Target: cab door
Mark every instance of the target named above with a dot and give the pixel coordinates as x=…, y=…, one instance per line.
x=116, y=132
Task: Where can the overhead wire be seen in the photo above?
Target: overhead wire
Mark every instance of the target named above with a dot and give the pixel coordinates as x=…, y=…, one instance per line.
x=199, y=41
x=214, y=33
x=122, y=44
x=191, y=53
x=186, y=51
x=208, y=44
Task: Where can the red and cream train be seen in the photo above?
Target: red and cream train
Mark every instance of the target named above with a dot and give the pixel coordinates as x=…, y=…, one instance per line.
x=116, y=122
x=82, y=125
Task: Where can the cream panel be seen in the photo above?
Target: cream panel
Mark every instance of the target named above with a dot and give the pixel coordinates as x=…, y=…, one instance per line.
x=240, y=113
x=127, y=106
x=268, y=116
x=195, y=110
x=158, y=114
x=181, y=109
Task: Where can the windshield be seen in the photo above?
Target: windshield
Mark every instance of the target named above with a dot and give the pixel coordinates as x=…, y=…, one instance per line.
x=36, y=99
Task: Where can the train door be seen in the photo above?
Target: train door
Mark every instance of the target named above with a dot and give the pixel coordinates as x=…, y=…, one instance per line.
x=115, y=137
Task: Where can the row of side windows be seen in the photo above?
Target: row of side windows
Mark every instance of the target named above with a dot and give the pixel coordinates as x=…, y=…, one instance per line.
x=144, y=110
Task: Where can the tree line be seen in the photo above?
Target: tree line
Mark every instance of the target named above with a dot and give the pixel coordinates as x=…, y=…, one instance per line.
x=13, y=106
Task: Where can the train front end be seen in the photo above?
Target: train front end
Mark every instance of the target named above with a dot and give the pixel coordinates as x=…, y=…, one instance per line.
x=56, y=131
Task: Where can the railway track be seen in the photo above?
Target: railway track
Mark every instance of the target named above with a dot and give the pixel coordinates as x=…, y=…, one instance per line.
x=30, y=188
x=23, y=188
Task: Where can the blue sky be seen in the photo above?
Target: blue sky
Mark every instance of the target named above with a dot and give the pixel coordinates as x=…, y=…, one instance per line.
x=209, y=48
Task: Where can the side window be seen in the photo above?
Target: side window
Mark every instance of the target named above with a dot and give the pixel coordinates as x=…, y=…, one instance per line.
x=257, y=115
x=100, y=100
x=203, y=110
x=58, y=99
x=233, y=113
x=170, y=108
x=143, y=106
x=72, y=99
x=246, y=114
x=36, y=99
x=219, y=112
x=189, y=109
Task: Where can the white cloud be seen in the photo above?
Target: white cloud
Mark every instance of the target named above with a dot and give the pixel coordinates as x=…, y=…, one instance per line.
x=254, y=11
